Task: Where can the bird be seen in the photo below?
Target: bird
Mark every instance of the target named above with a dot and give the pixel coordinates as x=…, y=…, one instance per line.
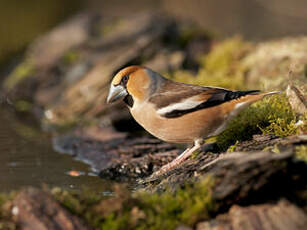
x=177, y=112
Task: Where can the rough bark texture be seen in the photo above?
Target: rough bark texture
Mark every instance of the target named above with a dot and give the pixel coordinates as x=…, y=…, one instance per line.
x=242, y=178
x=297, y=101
x=260, y=142
x=280, y=216
x=36, y=210
x=217, y=164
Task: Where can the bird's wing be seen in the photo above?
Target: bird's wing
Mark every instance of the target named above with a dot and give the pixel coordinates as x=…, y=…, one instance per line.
x=177, y=99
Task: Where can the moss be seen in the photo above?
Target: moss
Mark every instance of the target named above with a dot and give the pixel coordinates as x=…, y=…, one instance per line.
x=272, y=115
x=301, y=152
x=273, y=149
x=195, y=154
x=232, y=148
x=141, y=210
x=281, y=127
x=78, y=203
x=221, y=67
x=186, y=206
x=282, y=119
x=23, y=70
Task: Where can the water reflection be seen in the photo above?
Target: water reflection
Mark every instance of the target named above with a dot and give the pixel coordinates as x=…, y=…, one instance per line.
x=27, y=159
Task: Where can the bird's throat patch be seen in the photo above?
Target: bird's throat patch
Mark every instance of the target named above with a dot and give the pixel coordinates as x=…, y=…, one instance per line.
x=129, y=100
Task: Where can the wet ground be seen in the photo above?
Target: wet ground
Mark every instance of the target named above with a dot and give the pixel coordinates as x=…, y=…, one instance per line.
x=27, y=159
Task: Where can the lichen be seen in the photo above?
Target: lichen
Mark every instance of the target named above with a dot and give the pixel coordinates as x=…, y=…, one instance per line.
x=272, y=115
x=141, y=210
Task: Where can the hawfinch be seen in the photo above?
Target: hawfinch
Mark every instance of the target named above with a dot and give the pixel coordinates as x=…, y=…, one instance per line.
x=177, y=112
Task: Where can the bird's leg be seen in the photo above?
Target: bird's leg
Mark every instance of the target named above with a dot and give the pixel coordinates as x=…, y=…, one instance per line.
x=181, y=158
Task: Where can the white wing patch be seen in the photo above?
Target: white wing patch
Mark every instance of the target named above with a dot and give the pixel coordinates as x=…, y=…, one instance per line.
x=189, y=103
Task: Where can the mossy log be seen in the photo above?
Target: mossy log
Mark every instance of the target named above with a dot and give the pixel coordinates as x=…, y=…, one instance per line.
x=242, y=177
x=269, y=142
x=280, y=216
x=34, y=209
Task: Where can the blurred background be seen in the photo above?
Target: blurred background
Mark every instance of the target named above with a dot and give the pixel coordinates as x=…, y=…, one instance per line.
x=61, y=80
x=23, y=21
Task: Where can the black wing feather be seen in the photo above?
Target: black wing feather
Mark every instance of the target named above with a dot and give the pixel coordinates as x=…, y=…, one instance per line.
x=216, y=99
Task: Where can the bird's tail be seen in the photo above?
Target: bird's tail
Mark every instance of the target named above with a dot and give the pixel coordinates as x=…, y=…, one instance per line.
x=255, y=95
x=243, y=100
x=271, y=93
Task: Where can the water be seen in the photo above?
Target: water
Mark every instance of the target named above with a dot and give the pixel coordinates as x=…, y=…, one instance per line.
x=27, y=159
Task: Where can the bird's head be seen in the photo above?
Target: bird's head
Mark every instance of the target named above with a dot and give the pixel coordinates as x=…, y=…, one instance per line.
x=129, y=84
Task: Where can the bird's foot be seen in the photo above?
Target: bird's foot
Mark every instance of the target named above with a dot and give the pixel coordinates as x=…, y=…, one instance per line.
x=175, y=163
x=178, y=161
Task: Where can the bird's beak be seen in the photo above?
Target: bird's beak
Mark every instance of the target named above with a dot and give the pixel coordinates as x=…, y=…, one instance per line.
x=116, y=93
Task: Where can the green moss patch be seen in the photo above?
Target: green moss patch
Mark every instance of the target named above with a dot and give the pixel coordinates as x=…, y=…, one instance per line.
x=272, y=115
x=142, y=210
x=221, y=67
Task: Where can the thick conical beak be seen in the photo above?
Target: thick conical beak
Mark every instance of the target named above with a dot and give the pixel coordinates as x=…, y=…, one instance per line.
x=116, y=93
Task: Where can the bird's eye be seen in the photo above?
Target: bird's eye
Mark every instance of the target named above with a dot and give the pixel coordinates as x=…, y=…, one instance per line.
x=125, y=79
